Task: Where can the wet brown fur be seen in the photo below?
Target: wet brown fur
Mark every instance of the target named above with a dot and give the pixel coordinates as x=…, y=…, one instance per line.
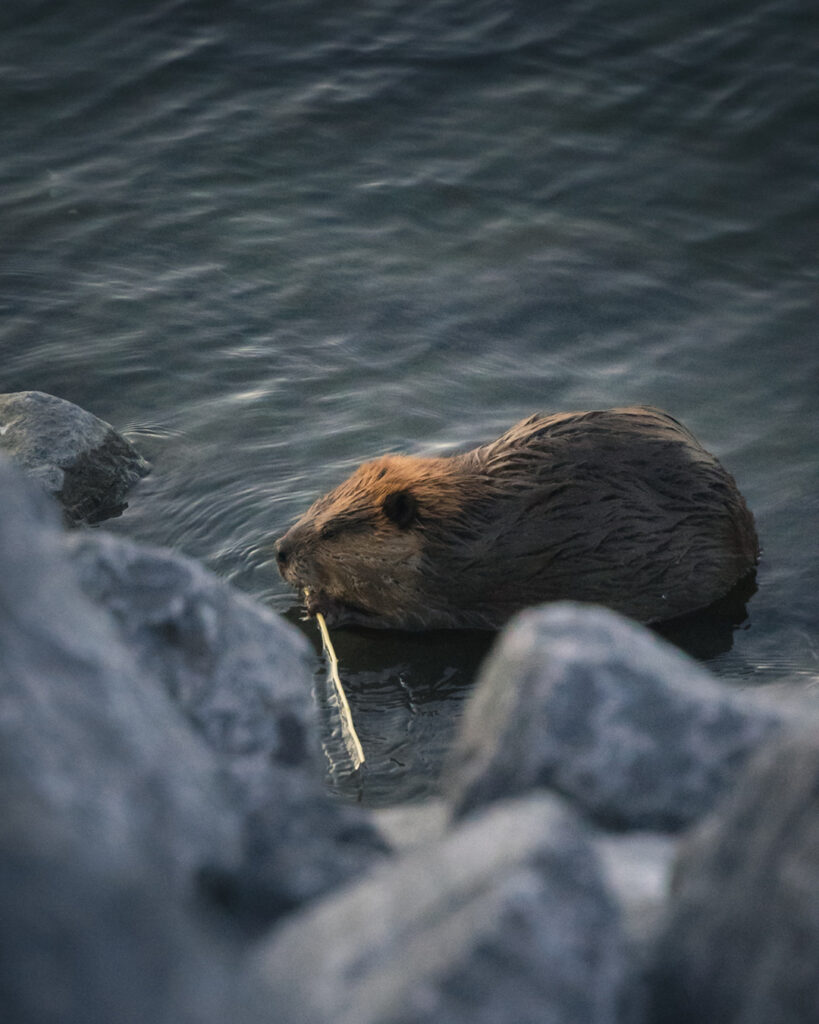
x=621, y=507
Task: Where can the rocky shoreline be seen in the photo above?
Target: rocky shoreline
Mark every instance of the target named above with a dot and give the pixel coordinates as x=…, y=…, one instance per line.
x=621, y=839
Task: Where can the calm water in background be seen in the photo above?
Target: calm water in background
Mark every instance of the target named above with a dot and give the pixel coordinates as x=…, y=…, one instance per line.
x=271, y=242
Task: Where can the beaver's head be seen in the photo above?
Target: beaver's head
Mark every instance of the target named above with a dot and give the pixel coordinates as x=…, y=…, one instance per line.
x=362, y=551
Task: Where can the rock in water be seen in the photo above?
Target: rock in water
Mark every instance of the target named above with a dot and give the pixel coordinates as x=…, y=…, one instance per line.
x=242, y=677
x=742, y=941
x=79, y=459
x=504, y=921
x=101, y=743
x=239, y=673
x=583, y=701
x=89, y=939
x=150, y=757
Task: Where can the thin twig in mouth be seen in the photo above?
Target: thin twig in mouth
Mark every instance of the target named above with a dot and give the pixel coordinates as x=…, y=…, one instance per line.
x=354, y=747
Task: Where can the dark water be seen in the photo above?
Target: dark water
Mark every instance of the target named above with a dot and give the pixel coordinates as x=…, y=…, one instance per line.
x=269, y=240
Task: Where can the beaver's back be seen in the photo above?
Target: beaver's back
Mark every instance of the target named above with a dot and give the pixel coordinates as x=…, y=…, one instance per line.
x=621, y=507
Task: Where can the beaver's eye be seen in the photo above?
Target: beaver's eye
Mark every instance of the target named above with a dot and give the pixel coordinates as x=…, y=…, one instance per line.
x=401, y=507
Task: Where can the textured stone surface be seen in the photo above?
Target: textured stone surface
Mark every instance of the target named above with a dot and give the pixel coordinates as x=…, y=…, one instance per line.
x=91, y=938
x=78, y=458
x=243, y=678
x=503, y=921
x=104, y=747
x=240, y=673
x=580, y=700
x=637, y=869
x=741, y=945
x=297, y=844
x=158, y=780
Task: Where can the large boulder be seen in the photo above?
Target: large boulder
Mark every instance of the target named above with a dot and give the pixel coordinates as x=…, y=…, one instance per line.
x=585, y=702
x=505, y=921
x=103, y=746
x=79, y=459
x=111, y=808
x=242, y=677
x=156, y=772
x=741, y=945
x=91, y=938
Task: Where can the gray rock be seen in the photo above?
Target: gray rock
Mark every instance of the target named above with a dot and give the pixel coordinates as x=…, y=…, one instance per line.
x=408, y=825
x=79, y=459
x=243, y=678
x=637, y=870
x=741, y=945
x=298, y=844
x=123, y=799
x=91, y=939
x=583, y=701
x=504, y=921
x=240, y=673
x=104, y=747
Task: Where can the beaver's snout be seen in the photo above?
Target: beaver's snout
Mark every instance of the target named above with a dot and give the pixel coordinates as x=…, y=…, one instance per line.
x=282, y=554
x=327, y=577
x=292, y=557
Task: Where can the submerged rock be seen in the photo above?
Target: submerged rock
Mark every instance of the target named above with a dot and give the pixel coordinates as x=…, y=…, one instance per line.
x=741, y=945
x=79, y=459
x=506, y=921
x=582, y=701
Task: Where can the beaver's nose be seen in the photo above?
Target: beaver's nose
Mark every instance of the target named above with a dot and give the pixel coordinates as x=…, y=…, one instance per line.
x=282, y=552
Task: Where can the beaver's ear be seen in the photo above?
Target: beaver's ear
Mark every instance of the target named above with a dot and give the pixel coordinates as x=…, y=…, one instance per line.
x=401, y=507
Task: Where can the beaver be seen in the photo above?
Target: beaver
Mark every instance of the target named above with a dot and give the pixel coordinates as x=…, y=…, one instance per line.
x=620, y=507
